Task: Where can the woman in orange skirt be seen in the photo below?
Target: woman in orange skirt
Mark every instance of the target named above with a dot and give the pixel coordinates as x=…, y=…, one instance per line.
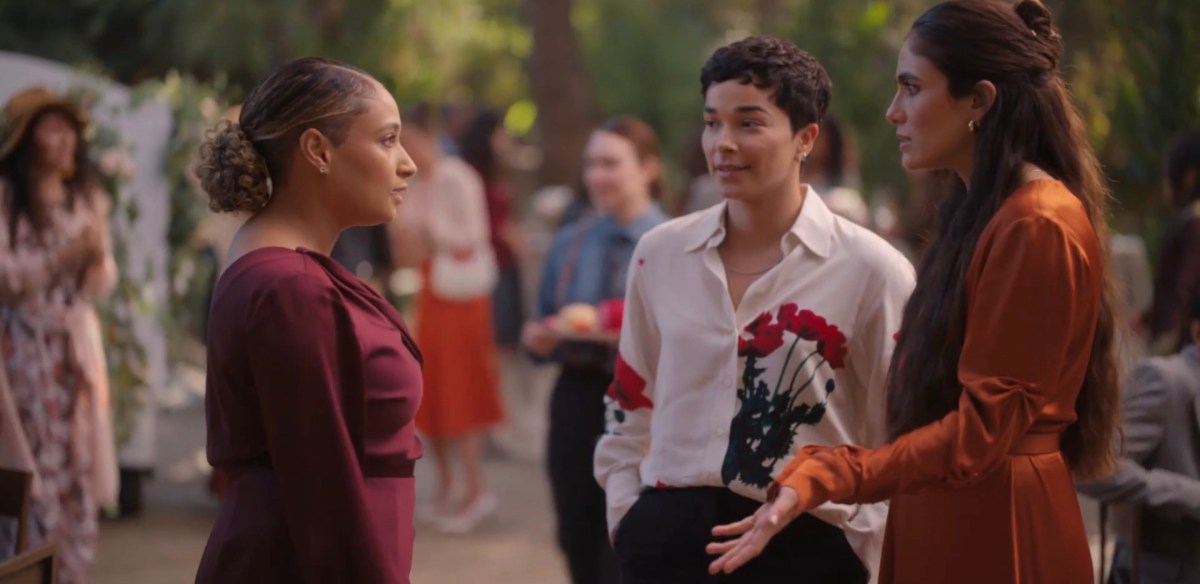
x=1003, y=384
x=454, y=325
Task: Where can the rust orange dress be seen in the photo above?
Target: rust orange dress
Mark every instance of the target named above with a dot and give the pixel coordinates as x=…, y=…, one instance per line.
x=984, y=495
x=461, y=377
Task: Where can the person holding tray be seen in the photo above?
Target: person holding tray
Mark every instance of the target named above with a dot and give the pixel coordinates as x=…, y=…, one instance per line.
x=584, y=279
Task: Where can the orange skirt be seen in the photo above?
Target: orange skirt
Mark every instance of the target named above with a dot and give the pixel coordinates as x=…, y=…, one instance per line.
x=1021, y=525
x=461, y=393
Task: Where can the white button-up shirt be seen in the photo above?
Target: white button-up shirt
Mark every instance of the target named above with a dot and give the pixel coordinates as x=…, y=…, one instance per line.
x=705, y=395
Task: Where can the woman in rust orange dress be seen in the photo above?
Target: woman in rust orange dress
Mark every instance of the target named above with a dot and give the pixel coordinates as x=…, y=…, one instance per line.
x=448, y=224
x=1003, y=384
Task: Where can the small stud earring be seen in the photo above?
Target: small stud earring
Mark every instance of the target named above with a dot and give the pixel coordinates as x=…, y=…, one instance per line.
x=324, y=170
x=972, y=126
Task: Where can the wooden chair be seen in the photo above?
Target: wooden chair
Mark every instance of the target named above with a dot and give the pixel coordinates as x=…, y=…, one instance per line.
x=32, y=567
x=27, y=566
x=15, y=488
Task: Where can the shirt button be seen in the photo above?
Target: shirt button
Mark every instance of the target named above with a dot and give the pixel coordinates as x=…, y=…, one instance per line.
x=720, y=431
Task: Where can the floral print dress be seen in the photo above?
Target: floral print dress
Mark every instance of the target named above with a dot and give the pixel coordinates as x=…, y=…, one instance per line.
x=49, y=382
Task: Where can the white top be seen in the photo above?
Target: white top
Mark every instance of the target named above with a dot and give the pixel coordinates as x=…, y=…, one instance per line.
x=679, y=411
x=444, y=211
x=452, y=202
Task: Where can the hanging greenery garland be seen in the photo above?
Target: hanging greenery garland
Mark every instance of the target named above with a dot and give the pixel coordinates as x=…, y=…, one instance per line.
x=195, y=107
x=128, y=368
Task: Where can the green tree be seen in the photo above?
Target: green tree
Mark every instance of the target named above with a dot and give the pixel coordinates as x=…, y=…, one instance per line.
x=644, y=59
x=858, y=41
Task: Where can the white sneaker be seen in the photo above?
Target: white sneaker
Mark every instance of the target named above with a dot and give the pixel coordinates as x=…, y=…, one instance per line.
x=430, y=514
x=468, y=519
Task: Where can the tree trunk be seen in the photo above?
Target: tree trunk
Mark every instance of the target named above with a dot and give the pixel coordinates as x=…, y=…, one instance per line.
x=770, y=16
x=561, y=91
x=328, y=14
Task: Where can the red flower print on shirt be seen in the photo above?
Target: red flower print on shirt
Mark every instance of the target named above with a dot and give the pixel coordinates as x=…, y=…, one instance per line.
x=802, y=323
x=765, y=337
x=628, y=388
x=832, y=345
x=807, y=325
x=771, y=411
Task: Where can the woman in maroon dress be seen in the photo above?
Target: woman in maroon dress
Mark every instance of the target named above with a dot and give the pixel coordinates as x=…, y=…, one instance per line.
x=313, y=379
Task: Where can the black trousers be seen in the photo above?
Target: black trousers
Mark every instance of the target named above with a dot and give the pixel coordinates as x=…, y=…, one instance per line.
x=661, y=541
x=576, y=423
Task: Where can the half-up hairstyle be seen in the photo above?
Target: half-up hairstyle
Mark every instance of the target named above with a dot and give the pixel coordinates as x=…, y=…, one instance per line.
x=1033, y=119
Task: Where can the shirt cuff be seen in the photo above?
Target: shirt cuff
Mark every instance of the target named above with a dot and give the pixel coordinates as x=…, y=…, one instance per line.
x=621, y=492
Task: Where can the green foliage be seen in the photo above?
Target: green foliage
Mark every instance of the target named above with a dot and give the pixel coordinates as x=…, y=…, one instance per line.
x=124, y=352
x=1132, y=70
x=451, y=50
x=857, y=41
x=1156, y=93
x=1130, y=62
x=645, y=58
x=470, y=50
x=195, y=107
x=92, y=33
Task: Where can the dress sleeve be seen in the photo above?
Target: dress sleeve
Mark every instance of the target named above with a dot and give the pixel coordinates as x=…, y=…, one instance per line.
x=1145, y=408
x=1021, y=313
x=307, y=373
x=100, y=276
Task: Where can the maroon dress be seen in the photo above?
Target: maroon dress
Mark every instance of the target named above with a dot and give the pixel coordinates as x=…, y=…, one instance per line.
x=313, y=384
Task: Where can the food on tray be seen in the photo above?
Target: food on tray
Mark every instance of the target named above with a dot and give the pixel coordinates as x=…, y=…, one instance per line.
x=578, y=318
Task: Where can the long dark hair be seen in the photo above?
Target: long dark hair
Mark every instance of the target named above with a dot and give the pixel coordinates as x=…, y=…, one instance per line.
x=835, y=160
x=17, y=170
x=1033, y=120
x=1183, y=159
x=476, y=147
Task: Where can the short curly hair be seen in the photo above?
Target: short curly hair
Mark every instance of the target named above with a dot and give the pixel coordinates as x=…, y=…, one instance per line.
x=798, y=83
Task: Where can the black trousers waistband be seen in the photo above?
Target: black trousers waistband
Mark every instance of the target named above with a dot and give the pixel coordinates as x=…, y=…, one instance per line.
x=662, y=539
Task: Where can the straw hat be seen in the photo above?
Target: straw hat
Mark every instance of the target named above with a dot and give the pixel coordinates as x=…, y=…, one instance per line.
x=25, y=106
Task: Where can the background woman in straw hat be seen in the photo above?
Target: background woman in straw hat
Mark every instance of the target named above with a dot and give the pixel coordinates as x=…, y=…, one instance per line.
x=55, y=256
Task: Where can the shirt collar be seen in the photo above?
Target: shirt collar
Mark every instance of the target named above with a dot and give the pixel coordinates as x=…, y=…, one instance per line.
x=813, y=227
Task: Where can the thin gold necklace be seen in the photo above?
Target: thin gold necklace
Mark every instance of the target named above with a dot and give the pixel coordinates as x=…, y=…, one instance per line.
x=762, y=271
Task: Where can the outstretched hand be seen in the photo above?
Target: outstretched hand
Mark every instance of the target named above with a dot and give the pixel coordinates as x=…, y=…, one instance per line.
x=752, y=534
